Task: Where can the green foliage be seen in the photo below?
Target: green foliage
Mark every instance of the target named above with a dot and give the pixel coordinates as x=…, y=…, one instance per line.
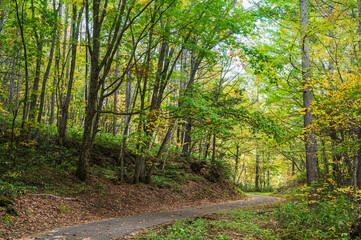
x=8, y=220
x=11, y=190
x=108, y=140
x=172, y=176
x=183, y=230
x=164, y=182
x=75, y=135
x=64, y=209
x=330, y=220
x=241, y=223
x=251, y=188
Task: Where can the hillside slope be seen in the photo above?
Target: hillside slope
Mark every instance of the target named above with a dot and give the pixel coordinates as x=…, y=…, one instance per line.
x=46, y=194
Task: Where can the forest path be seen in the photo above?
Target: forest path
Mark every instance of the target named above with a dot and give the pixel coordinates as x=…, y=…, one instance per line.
x=118, y=227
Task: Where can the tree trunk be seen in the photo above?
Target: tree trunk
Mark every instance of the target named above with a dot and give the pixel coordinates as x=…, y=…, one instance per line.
x=236, y=164
x=82, y=166
x=47, y=72
x=336, y=158
x=34, y=94
x=310, y=143
x=207, y=146
x=359, y=159
x=166, y=139
x=187, y=139
x=213, y=161
x=65, y=106
x=257, y=172
x=115, y=103
x=12, y=87
x=20, y=23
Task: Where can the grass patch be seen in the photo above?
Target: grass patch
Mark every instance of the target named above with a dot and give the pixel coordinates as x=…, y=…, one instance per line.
x=254, y=222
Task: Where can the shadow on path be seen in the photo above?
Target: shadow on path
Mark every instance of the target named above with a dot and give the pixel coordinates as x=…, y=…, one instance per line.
x=119, y=227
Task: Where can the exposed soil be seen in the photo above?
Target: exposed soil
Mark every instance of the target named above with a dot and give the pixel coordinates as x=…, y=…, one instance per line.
x=40, y=213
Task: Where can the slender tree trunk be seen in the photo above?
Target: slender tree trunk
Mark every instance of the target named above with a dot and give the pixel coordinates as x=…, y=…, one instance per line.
x=166, y=139
x=47, y=71
x=21, y=26
x=207, y=146
x=97, y=115
x=359, y=158
x=187, y=139
x=12, y=87
x=213, y=161
x=236, y=164
x=82, y=166
x=310, y=142
x=65, y=106
x=115, y=103
x=359, y=129
x=257, y=172
x=39, y=56
x=34, y=94
x=18, y=87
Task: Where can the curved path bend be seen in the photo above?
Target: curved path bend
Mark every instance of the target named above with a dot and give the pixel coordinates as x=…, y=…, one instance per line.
x=118, y=227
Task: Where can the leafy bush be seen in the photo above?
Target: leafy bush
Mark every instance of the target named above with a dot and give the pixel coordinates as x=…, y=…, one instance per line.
x=10, y=190
x=75, y=135
x=330, y=220
x=164, y=182
x=108, y=140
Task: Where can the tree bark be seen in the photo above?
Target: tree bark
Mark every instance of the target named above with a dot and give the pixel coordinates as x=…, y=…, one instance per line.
x=39, y=56
x=213, y=161
x=236, y=164
x=166, y=139
x=21, y=26
x=257, y=172
x=47, y=71
x=65, y=105
x=359, y=158
x=310, y=142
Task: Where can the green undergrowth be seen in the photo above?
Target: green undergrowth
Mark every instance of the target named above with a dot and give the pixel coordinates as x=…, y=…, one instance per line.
x=330, y=220
x=261, y=189
x=44, y=166
x=174, y=175
x=242, y=223
x=289, y=219
x=329, y=217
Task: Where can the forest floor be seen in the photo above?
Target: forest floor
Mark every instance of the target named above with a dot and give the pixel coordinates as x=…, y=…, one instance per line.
x=43, y=180
x=118, y=228
x=102, y=199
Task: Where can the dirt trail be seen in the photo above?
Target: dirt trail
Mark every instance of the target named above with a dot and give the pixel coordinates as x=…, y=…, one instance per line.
x=115, y=228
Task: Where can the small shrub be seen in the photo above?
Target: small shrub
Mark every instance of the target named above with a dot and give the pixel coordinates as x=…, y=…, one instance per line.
x=11, y=190
x=65, y=209
x=330, y=220
x=8, y=220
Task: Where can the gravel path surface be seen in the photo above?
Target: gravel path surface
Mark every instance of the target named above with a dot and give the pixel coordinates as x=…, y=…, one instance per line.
x=119, y=227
